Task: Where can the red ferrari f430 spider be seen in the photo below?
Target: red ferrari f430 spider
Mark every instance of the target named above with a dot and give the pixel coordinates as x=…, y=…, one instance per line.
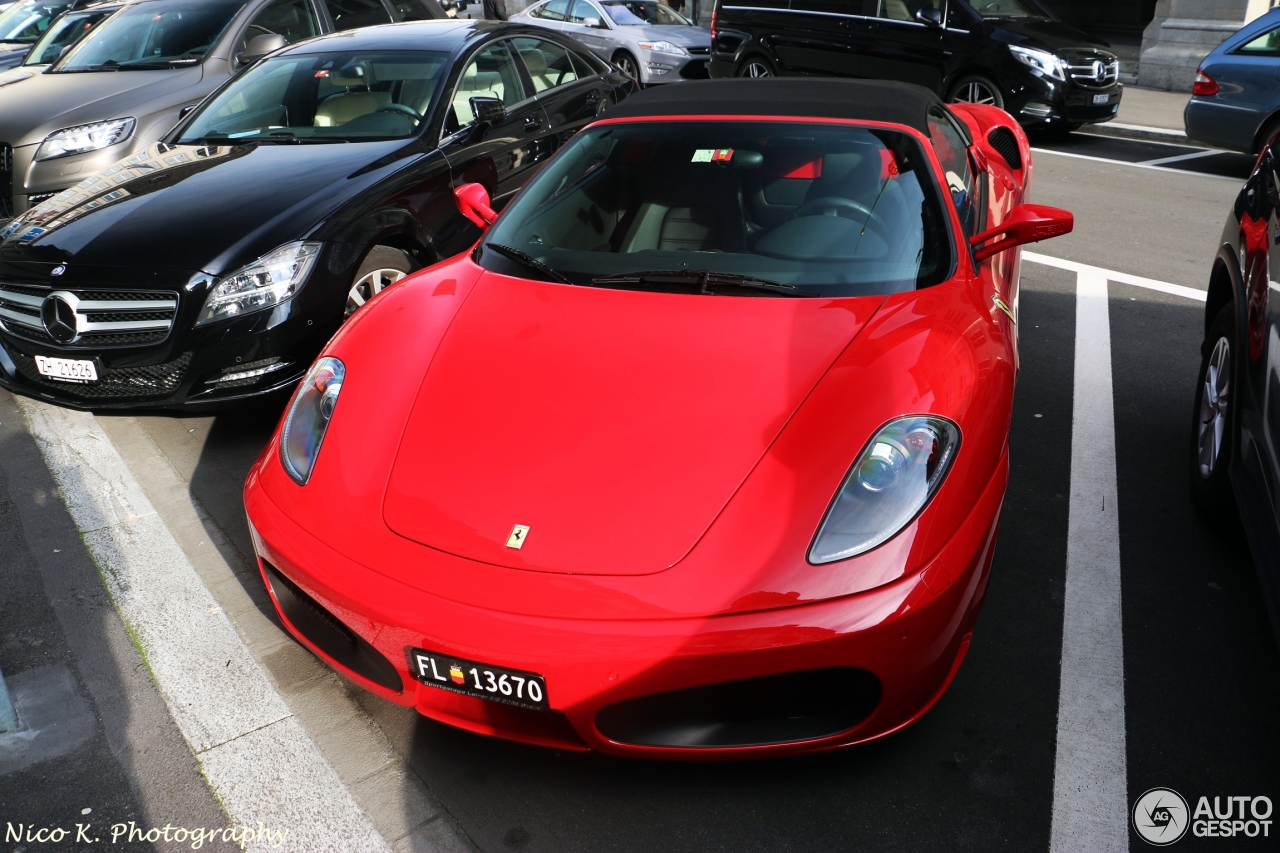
x=699, y=453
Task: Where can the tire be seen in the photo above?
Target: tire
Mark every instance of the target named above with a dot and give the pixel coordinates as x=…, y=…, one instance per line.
x=1269, y=130
x=383, y=266
x=1213, y=426
x=756, y=66
x=976, y=89
x=628, y=64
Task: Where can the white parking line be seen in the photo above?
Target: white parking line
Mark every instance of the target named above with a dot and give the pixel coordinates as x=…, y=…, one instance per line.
x=1194, y=155
x=259, y=760
x=1090, y=781
x=1134, y=165
x=1118, y=277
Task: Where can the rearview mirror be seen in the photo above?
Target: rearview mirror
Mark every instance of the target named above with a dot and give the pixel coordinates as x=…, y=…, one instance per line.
x=473, y=203
x=1026, y=223
x=929, y=17
x=488, y=111
x=260, y=46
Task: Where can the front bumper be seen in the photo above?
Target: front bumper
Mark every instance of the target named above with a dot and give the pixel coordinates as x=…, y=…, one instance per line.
x=668, y=68
x=903, y=642
x=1051, y=103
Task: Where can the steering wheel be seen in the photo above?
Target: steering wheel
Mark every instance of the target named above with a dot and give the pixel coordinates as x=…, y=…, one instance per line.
x=845, y=207
x=400, y=108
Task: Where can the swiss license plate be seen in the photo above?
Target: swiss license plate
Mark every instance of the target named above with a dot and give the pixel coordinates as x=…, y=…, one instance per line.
x=1101, y=99
x=67, y=369
x=495, y=683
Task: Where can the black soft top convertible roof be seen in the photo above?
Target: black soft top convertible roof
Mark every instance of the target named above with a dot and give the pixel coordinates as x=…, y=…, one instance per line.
x=867, y=100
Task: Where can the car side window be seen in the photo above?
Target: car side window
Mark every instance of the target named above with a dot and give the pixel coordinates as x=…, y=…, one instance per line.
x=491, y=73
x=350, y=14
x=581, y=11
x=1267, y=44
x=905, y=10
x=417, y=10
x=953, y=154
x=548, y=63
x=294, y=19
x=556, y=10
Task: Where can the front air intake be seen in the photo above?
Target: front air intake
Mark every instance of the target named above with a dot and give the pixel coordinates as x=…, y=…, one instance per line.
x=784, y=708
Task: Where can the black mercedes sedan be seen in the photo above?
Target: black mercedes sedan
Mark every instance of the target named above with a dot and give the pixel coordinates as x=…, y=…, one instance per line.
x=1235, y=424
x=1012, y=54
x=213, y=265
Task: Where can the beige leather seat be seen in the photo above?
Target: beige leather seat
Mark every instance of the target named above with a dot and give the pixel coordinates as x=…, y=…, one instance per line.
x=896, y=10
x=475, y=83
x=340, y=109
x=536, y=62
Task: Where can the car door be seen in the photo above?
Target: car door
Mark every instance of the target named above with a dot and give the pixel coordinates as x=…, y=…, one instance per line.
x=1259, y=345
x=588, y=23
x=502, y=155
x=903, y=47
x=826, y=37
x=570, y=91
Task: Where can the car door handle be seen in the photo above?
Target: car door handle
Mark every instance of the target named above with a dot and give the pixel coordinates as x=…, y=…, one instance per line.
x=593, y=96
x=533, y=123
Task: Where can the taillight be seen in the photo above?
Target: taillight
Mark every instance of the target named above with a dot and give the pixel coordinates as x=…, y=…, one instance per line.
x=715, y=10
x=1205, y=85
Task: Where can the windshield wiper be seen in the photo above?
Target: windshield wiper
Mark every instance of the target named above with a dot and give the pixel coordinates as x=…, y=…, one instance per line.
x=704, y=281
x=15, y=41
x=527, y=260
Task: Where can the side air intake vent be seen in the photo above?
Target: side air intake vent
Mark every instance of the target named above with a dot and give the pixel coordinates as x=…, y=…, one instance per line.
x=1006, y=144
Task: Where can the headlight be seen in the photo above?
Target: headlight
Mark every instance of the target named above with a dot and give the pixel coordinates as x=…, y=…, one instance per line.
x=664, y=47
x=85, y=137
x=897, y=473
x=1040, y=60
x=309, y=416
x=268, y=281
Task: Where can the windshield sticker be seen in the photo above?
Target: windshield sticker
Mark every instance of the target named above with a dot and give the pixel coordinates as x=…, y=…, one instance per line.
x=713, y=155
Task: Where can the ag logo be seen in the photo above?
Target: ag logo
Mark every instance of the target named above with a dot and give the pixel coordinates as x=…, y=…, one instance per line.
x=1160, y=817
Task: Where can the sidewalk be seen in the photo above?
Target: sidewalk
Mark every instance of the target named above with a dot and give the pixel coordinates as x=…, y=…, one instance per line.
x=1146, y=114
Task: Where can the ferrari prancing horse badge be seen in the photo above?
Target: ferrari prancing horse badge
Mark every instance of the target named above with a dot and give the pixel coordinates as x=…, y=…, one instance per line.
x=516, y=539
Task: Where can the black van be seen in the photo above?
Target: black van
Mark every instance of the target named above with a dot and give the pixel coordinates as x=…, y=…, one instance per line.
x=1010, y=53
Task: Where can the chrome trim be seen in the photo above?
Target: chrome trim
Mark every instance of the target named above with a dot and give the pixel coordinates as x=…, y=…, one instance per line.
x=121, y=304
x=33, y=326
x=126, y=326
x=20, y=298
x=21, y=319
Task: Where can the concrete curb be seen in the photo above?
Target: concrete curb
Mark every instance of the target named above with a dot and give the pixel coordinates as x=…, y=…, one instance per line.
x=1139, y=132
x=258, y=759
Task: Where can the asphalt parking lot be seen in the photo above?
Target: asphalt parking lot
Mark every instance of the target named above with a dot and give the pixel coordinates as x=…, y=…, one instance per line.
x=1201, y=669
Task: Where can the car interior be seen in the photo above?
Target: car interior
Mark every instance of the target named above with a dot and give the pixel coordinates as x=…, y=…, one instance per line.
x=845, y=207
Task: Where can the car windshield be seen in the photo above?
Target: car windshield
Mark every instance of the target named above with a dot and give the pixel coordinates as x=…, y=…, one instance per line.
x=25, y=22
x=1009, y=9
x=836, y=210
x=323, y=97
x=638, y=13
x=63, y=33
x=172, y=34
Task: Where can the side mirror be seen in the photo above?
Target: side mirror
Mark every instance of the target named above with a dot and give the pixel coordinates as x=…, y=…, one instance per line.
x=1026, y=223
x=488, y=111
x=186, y=111
x=473, y=203
x=929, y=17
x=260, y=46
x=594, y=23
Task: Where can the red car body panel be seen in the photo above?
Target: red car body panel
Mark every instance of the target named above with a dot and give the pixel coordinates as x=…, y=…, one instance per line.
x=673, y=479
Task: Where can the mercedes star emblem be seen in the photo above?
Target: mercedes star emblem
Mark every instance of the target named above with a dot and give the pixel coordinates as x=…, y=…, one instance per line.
x=58, y=314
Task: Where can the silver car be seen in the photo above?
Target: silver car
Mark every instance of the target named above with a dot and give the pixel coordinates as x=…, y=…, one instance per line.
x=645, y=38
x=135, y=74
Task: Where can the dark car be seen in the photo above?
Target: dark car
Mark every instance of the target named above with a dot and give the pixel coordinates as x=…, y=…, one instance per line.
x=1009, y=53
x=1236, y=100
x=214, y=265
x=25, y=22
x=1235, y=438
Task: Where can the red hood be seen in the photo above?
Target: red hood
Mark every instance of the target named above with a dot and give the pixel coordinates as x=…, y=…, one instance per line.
x=615, y=424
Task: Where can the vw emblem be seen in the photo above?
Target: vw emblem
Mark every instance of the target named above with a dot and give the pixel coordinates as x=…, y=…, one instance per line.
x=58, y=270
x=58, y=314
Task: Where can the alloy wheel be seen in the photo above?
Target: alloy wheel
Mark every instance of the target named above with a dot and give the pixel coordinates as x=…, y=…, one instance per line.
x=755, y=68
x=628, y=66
x=371, y=285
x=974, y=92
x=1214, y=399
